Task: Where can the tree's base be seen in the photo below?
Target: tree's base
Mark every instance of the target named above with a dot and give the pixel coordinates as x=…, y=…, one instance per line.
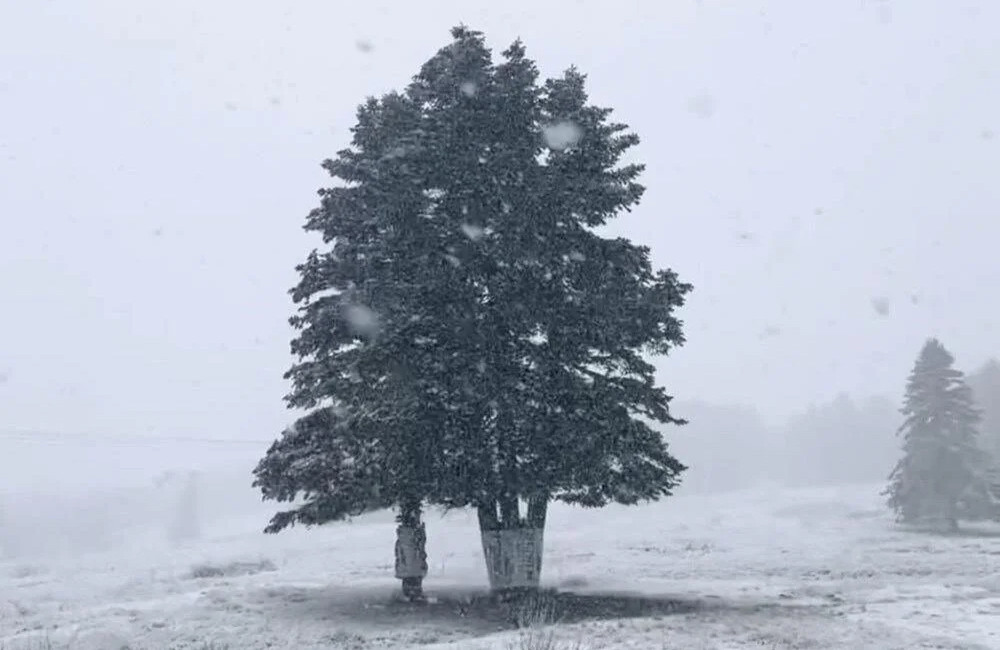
x=514, y=594
x=513, y=559
x=413, y=590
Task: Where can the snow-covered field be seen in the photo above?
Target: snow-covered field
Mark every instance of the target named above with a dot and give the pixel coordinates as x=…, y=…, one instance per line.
x=768, y=568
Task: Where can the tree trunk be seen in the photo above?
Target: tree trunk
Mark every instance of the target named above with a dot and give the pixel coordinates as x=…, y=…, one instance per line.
x=512, y=545
x=411, y=550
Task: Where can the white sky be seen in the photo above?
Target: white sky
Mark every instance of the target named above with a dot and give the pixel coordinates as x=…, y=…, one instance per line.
x=157, y=161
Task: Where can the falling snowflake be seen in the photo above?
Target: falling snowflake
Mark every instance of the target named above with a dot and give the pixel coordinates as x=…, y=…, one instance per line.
x=473, y=232
x=881, y=306
x=577, y=256
x=395, y=152
x=454, y=261
x=562, y=135
x=364, y=46
x=468, y=88
x=770, y=331
x=362, y=320
x=702, y=105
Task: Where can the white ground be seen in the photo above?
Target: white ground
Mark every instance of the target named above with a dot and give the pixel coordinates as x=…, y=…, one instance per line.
x=817, y=568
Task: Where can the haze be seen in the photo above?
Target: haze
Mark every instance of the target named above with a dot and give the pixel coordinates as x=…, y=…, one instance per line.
x=824, y=173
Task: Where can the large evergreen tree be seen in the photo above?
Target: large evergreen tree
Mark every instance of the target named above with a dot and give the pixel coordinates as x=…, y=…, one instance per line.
x=942, y=475
x=503, y=359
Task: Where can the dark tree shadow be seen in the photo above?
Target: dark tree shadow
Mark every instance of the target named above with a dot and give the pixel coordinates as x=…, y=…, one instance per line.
x=964, y=531
x=970, y=531
x=475, y=613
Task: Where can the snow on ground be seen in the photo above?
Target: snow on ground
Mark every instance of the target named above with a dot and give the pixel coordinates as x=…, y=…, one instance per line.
x=769, y=568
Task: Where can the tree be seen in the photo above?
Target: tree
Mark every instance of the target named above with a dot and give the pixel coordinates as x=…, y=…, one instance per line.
x=985, y=384
x=501, y=362
x=943, y=473
x=555, y=315
x=845, y=440
x=718, y=442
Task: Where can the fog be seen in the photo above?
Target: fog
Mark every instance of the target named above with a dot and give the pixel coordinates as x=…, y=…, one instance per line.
x=823, y=173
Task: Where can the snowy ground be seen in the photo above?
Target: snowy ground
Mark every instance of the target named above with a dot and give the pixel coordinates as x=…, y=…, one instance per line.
x=817, y=568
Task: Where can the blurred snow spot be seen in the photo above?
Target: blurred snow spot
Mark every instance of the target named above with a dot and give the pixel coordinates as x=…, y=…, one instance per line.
x=818, y=211
x=482, y=160
x=885, y=13
x=987, y=134
x=472, y=232
x=454, y=261
x=465, y=209
x=468, y=88
x=4, y=376
x=157, y=232
x=561, y=135
x=395, y=152
x=881, y=306
x=702, y=105
x=364, y=46
x=231, y=106
x=505, y=207
x=746, y=236
x=274, y=100
x=577, y=256
x=914, y=298
x=362, y=320
x=770, y=331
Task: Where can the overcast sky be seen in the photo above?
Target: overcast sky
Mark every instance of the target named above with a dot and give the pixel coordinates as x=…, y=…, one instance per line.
x=825, y=173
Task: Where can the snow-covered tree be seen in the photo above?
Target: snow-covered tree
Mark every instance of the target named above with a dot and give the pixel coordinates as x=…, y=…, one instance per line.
x=557, y=316
x=470, y=339
x=943, y=474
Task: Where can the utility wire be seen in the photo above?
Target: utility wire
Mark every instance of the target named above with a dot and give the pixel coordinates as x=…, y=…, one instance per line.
x=150, y=440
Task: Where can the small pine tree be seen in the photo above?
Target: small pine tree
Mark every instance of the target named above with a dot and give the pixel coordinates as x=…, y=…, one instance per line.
x=942, y=475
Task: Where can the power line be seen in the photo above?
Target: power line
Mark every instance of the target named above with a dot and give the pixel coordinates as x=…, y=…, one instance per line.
x=49, y=437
